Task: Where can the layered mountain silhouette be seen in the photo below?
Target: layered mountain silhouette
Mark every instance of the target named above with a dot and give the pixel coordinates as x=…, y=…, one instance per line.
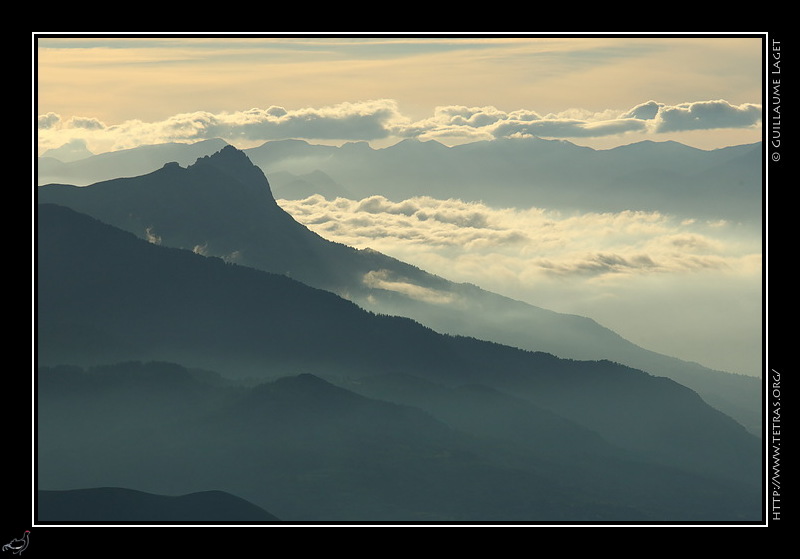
x=120, y=505
x=222, y=205
x=53, y=167
x=667, y=177
x=318, y=452
x=426, y=436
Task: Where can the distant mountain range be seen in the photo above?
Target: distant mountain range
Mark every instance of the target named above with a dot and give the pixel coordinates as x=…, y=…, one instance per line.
x=667, y=177
x=73, y=150
x=124, y=163
x=347, y=415
x=222, y=205
x=650, y=176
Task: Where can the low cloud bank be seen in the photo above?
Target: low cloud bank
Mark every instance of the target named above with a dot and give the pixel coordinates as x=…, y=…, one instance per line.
x=683, y=287
x=533, y=241
x=382, y=119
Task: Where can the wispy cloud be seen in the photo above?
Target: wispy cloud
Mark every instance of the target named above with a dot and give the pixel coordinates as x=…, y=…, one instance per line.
x=383, y=279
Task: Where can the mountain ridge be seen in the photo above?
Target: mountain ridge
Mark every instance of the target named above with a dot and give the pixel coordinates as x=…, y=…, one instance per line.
x=543, y=173
x=198, y=208
x=311, y=451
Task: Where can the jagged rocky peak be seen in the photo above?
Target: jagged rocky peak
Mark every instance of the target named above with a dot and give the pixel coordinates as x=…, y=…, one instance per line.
x=235, y=163
x=228, y=155
x=227, y=159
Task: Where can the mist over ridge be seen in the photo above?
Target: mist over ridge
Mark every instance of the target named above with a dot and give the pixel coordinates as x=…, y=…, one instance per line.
x=696, y=260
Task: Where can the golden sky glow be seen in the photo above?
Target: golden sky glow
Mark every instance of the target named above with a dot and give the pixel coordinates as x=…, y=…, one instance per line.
x=150, y=79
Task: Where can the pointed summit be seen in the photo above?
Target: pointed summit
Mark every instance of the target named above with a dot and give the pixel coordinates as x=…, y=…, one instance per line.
x=221, y=205
x=228, y=157
x=191, y=208
x=234, y=164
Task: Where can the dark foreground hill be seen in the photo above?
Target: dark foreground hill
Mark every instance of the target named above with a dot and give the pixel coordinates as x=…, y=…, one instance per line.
x=318, y=452
x=119, y=505
x=647, y=447
x=222, y=206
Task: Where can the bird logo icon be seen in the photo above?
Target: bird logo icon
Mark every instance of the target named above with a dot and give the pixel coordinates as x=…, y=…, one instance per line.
x=17, y=546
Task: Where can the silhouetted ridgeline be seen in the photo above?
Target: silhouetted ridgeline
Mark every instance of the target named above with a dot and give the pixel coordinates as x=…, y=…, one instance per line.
x=222, y=206
x=305, y=449
x=124, y=163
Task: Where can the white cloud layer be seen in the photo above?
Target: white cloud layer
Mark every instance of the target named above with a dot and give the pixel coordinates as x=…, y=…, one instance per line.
x=532, y=241
x=662, y=282
x=381, y=119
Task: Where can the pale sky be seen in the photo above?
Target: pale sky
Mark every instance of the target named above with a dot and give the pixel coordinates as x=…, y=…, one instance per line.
x=601, y=91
